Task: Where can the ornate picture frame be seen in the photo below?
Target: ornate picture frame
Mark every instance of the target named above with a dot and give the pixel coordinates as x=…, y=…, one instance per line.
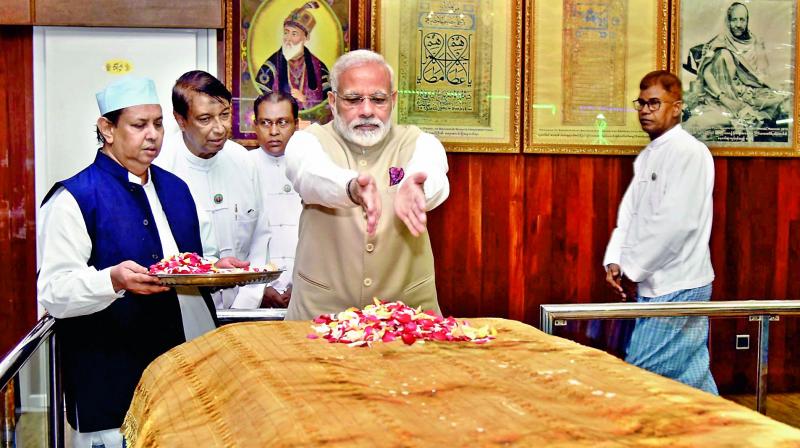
x=583, y=64
x=457, y=68
x=737, y=63
x=255, y=58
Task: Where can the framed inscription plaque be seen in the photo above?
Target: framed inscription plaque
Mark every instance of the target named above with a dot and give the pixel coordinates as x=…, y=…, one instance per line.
x=737, y=62
x=584, y=61
x=457, y=68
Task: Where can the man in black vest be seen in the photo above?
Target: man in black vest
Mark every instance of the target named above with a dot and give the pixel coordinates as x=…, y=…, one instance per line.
x=98, y=232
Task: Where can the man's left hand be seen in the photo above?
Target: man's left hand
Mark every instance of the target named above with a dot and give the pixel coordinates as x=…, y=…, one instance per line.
x=273, y=299
x=231, y=263
x=409, y=204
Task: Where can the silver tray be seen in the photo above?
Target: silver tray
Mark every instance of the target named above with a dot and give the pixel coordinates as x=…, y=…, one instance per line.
x=219, y=279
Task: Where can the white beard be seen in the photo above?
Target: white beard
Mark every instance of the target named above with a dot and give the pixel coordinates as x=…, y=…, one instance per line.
x=291, y=51
x=365, y=139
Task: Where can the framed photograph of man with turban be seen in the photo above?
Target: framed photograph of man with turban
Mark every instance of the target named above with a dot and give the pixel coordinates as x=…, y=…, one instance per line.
x=737, y=62
x=457, y=68
x=286, y=45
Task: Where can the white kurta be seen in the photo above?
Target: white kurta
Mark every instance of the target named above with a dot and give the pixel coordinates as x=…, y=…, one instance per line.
x=664, y=220
x=68, y=287
x=319, y=181
x=283, y=207
x=226, y=191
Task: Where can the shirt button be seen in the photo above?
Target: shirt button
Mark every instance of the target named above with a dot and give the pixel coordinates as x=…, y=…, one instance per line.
x=362, y=162
x=370, y=247
x=155, y=257
x=145, y=222
x=367, y=282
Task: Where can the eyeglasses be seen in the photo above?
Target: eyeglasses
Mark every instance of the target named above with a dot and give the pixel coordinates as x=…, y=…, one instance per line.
x=379, y=100
x=281, y=123
x=654, y=104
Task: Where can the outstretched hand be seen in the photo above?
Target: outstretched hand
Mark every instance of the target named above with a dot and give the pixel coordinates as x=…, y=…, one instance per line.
x=133, y=277
x=364, y=192
x=409, y=204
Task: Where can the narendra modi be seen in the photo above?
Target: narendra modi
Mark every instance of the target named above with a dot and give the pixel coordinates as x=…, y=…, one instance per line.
x=366, y=187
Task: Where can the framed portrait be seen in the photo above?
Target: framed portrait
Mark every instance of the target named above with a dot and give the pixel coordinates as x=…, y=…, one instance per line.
x=737, y=63
x=583, y=63
x=457, y=68
x=286, y=45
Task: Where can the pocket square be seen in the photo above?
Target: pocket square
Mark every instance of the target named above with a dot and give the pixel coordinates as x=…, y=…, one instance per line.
x=395, y=175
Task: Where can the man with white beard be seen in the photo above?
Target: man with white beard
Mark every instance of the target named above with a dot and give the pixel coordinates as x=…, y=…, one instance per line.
x=366, y=187
x=292, y=69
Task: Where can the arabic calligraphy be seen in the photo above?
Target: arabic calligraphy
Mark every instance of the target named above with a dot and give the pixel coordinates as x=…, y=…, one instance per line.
x=446, y=58
x=595, y=39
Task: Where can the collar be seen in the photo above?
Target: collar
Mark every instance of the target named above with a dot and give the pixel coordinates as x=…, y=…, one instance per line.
x=118, y=171
x=193, y=160
x=277, y=160
x=665, y=137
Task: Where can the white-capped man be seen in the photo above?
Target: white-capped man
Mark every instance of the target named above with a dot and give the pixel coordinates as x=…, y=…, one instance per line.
x=98, y=232
x=222, y=178
x=662, y=234
x=276, y=116
x=366, y=186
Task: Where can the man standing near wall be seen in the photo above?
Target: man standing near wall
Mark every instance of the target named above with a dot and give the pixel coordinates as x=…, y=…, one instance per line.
x=347, y=172
x=662, y=234
x=276, y=121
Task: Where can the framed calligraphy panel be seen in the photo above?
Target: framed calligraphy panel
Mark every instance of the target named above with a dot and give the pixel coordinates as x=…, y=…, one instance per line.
x=457, y=68
x=736, y=61
x=261, y=55
x=584, y=61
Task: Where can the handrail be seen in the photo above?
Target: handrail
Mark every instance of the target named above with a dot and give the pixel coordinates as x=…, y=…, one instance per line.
x=756, y=310
x=626, y=310
x=230, y=316
x=19, y=355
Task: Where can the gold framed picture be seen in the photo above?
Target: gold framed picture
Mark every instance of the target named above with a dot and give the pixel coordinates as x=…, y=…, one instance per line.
x=260, y=55
x=737, y=63
x=457, y=68
x=583, y=63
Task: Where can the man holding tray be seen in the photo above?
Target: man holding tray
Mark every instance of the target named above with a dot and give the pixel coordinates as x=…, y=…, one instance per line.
x=98, y=232
x=222, y=179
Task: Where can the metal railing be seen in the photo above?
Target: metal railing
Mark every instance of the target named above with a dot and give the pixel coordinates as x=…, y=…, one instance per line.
x=762, y=311
x=43, y=331
x=11, y=364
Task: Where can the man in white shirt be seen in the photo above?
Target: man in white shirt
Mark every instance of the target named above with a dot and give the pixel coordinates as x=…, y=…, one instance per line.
x=98, y=232
x=662, y=234
x=222, y=178
x=366, y=186
x=276, y=116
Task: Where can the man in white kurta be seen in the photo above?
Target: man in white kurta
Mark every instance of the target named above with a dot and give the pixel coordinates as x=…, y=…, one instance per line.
x=102, y=308
x=662, y=234
x=366, y=186
x=222, y=179
x=276, y=116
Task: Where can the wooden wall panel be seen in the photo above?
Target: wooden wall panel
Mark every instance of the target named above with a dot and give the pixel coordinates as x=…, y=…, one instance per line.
x=17, y=210
x=519, y=231
x=124, y=13
x=15, y=12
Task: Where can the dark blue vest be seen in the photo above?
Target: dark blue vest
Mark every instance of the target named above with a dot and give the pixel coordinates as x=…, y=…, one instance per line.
x=104, y=354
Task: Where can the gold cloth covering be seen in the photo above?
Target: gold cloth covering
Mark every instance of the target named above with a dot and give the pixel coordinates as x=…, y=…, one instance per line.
x=267, y=384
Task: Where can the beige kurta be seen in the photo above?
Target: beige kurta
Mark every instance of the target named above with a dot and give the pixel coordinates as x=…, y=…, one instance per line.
x=337, y=264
